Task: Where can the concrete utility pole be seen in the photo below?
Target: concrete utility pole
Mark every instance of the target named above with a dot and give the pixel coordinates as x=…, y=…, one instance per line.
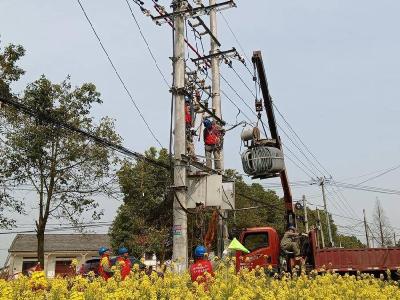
x=216, y=106
x=180, y=241
x=328, y=223
x=366, y=229
x=305, y=213
x=320, y=228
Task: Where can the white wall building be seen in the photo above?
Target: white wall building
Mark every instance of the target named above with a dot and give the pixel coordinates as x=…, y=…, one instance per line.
x=60, y=250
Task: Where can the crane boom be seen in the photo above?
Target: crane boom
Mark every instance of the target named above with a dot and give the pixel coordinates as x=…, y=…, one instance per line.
x=269, y=109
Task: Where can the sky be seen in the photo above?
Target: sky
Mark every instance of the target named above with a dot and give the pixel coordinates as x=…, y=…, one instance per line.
x=332, y=68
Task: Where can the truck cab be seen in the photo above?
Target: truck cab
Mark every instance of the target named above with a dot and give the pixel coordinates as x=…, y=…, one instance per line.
x=264, y=246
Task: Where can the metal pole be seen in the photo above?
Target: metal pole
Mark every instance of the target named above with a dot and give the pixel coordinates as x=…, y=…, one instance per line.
x=216, y=106
x=328, y=223
x=305, y=213
x=320, y=228
x=366, y=229
x=180, y=241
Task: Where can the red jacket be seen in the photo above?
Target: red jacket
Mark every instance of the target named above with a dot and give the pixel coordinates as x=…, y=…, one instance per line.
x=125, y=266
x=104, y=267
x=188, y=116
x=199, y=268
x=211, y=136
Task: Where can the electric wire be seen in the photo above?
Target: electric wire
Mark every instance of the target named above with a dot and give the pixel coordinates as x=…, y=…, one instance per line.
x=147, y=44
x=118, y=75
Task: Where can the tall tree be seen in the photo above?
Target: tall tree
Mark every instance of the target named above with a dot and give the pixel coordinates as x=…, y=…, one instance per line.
x=144, y=221
x=382, y=226
x=9, y=72
x=66, y=169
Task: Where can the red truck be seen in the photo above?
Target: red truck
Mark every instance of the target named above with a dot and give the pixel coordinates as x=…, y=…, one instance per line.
x=264, y=246
x=264, y=242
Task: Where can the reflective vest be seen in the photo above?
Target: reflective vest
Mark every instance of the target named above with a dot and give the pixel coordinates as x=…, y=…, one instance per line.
x=211, y=136
x=125, y=265
x=199, y=268
x=105, y=263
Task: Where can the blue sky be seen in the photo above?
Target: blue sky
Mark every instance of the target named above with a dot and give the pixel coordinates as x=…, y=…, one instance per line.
x=333, y=70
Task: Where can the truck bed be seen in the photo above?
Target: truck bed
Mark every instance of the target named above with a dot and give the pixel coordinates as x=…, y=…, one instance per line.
x=364, y=259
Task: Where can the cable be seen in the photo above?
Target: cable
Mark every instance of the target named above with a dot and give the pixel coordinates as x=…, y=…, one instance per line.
x=51, y=120
x=147, y=44
x=379, y=175
x=118, y=75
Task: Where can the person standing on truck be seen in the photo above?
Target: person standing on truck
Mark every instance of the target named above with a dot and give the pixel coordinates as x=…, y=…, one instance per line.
x=290, y=241
x=124, y=262
x=105, y=263
x=201, y=265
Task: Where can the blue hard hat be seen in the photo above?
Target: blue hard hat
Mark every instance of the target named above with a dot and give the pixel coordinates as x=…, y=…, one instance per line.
x=187, y=99
x=200, y=251
x=291, y=227
x=103, y=250
x=122, y=250
x=207, y=123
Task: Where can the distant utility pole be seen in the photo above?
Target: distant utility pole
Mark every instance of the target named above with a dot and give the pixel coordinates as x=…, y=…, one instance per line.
x=305, y=213
x=328, y=222
x=180, y=240
x=366, y=229
x=394, y=239
x=320, y=228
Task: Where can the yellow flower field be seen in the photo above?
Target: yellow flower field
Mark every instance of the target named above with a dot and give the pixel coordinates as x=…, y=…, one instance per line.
x=225, y=285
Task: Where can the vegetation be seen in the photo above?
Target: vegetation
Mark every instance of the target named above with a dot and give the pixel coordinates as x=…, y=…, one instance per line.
x=64, y=169
x=227, y=284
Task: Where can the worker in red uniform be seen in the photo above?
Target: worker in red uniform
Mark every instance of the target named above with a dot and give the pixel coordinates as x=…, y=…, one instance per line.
x=201, y=265
x=105, y=263
x=188, y=128
x=124, y=262
x=213, y=141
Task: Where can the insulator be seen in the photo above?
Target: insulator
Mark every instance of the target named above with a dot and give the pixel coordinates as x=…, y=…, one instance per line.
x=260, y=161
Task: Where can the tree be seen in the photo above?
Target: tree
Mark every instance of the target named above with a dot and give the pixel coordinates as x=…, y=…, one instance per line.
x=9, y=72
x=65, y=169
x=346, y=241
x=143, y=223
x=381, y=226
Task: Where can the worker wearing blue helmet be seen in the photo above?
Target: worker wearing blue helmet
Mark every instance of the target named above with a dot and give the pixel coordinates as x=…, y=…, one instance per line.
x=213, y=142
x=124, y=262
x=201, y=265
x=104, y=269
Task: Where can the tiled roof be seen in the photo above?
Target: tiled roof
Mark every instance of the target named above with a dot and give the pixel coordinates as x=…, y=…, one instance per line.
x=60, y=242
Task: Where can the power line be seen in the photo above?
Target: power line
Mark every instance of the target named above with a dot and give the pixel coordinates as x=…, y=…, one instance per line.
x=118, y=75
x=51, y=120
x=147, y=44
x=379, y=175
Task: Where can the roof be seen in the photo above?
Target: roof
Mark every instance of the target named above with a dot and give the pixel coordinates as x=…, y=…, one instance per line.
x=60, y=242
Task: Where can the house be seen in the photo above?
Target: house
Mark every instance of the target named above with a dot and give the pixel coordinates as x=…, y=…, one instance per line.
x=59, y=251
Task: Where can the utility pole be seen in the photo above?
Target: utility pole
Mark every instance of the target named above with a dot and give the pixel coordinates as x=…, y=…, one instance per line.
x=328, y=222
x=305, y=213
x=320, y=228
x=180, y=240
x=394, y=239
x=366, y=229
x=216, y=107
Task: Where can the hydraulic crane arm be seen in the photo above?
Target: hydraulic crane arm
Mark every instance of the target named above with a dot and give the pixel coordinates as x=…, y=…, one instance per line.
x=269, y=109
